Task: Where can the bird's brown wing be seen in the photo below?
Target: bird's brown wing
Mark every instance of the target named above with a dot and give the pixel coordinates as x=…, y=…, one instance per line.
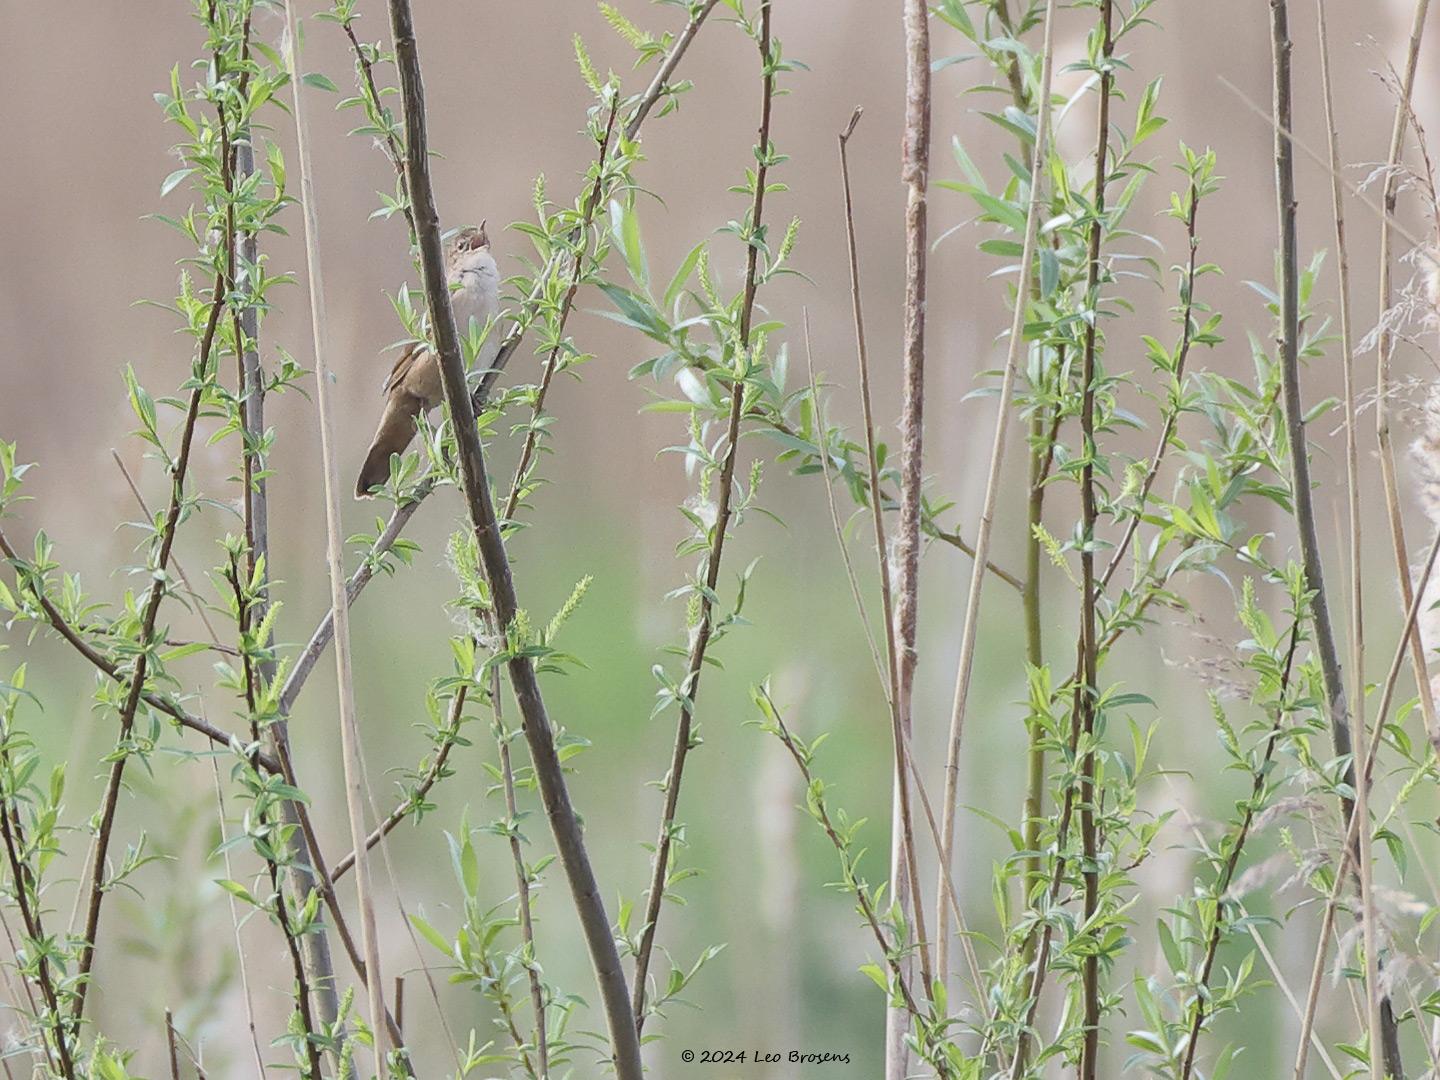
x=402, y=366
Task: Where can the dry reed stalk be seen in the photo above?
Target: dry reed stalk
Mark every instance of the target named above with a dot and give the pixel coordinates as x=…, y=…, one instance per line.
x=350, y=738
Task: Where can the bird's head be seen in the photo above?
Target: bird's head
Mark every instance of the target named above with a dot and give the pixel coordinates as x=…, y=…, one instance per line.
x=469, y=250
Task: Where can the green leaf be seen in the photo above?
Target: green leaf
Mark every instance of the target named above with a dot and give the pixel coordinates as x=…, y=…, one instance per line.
x=637, y=312
x=430, y=934
x=183, y=650
x=625, y=224
x=1049, y=272
x=319, y=82
x=682, y=275
x=172, y=181
x=234, y=888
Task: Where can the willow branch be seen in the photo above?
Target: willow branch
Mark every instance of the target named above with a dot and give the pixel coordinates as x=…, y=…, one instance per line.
x=1227, y=873
x=911, y=1006
x=1172, y=415
x=111, y=798
x=522, y=894
x=696, y=661
x=27, y=898
x=552, y=362
x=549, y=773
x=511, y=507
x=432, y=775
x=76, y=639
x=302, y=988
x=667, y=69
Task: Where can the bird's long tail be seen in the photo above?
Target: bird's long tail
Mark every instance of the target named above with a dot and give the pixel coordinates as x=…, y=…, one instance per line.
x=397, y=428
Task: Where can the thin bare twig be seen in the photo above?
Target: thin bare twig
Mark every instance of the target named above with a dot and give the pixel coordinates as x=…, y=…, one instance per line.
x=174, y=1050
x=889, y=675
x=832, y=505
x=10, y=969
x=1397, y=226
x=1352, y=483
x=398, y=895
x=1381, y=1033
x=1347, y=356
x=400, y=1002
x=862, y=354
x=904, y=751
x=179, y=569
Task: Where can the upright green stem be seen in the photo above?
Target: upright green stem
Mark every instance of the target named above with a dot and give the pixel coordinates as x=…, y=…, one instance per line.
x=1042, y=446
x=1034, y=641
x=964, y=668
x=1087, y=690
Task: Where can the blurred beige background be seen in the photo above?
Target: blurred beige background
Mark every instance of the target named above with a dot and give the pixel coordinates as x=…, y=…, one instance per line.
x=86, y=154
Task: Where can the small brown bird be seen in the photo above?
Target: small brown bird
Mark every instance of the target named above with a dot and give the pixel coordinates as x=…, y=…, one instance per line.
x=413, y=386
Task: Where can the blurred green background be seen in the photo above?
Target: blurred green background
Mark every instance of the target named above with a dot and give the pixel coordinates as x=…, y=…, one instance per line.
x=506, y=104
